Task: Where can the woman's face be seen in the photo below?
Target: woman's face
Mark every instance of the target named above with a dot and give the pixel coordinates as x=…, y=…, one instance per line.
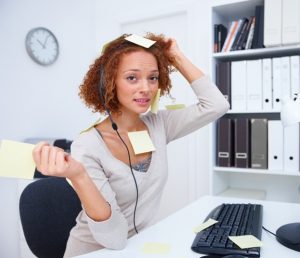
x=137, y=81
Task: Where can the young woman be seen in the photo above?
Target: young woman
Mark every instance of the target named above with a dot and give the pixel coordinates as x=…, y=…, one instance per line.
x=103, y=168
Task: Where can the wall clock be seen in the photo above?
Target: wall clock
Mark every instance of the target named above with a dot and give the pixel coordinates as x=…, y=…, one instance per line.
x=42, y=46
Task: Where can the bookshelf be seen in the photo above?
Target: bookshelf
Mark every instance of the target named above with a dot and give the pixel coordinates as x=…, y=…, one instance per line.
x=269, y=184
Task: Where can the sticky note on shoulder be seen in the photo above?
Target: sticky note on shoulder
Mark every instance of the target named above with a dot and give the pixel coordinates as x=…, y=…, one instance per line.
x=141, y=142
x=205, y=225
x=174, y=106
x=141, y=41
x=156, y=248
x=154, y=104
x=16, y=159
x=246, y=241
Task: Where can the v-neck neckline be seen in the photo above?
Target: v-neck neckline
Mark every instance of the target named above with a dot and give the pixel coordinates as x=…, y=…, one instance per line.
x=98, y=133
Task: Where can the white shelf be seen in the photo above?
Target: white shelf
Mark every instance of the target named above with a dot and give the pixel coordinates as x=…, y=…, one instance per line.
x=259, y=53
x=256, y=171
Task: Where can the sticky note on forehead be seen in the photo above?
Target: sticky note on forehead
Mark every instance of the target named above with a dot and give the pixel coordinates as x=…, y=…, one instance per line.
x=141, y=142
x=141, y=41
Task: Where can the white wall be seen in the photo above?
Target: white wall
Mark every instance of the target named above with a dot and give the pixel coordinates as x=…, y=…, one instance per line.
x=38, y=101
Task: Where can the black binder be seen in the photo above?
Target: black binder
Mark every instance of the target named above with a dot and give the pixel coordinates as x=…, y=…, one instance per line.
x=223, y=79
x=242, y=157
x=225, y=142
x=259, y=143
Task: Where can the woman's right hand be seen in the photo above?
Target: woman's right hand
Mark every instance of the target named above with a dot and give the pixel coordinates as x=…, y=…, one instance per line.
x=53, y=161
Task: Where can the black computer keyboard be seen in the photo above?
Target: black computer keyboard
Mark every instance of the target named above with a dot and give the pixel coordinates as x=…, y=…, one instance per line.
x=233, y=220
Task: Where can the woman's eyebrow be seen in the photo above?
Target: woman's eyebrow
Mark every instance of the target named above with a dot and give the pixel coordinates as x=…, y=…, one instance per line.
x=138, y=70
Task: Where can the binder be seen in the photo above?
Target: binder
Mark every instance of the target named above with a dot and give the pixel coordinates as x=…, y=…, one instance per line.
x=272, y=23
x=254, y=85
x=291, y=148
x=275, y=145
x=259, y=143
x=223, y=79
x=285, y=76
x=238, y=86
x=242, y=157
x=277, y=92
x=258, y=37
x=225, y=142
x=267, y=84
x=290, y=22
x=295, y=75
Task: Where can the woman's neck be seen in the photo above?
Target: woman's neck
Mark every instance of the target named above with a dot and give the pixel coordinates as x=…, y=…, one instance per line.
x=128, y=123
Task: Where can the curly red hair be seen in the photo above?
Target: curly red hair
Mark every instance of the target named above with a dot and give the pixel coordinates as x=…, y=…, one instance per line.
x=109, y=61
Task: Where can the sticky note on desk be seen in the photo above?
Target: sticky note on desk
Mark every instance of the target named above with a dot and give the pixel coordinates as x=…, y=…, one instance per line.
x=156, y=248
x=205, y=225
x=141, y=41
x=16, y=159
x=141, y=142
x=246, y=241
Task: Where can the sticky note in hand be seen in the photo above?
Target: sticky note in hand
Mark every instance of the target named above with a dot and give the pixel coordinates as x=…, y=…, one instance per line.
x=16, y=159
x=141, y=142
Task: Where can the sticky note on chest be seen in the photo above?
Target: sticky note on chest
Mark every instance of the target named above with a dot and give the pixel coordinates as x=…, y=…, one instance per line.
x=16, y=159
x=141, y=142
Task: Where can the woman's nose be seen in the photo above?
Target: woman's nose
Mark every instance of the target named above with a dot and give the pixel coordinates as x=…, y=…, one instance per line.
x=144, y=85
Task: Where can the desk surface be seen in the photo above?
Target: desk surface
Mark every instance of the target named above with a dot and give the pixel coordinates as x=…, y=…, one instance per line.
x=177, y=230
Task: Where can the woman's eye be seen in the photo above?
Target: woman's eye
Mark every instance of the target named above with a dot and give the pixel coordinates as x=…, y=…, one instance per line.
x=154, y=78
x=131, y=78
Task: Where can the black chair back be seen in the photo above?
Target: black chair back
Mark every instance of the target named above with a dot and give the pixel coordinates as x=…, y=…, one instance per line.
x=48, y=210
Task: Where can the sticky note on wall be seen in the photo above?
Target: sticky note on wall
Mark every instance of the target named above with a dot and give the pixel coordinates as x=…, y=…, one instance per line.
x=16, y=160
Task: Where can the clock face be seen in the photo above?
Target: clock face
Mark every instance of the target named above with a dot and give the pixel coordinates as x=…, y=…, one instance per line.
x=42, y=46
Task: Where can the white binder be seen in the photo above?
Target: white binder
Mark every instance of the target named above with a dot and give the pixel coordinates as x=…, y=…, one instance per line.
x=238, y=86
x=295, y=75
x=267, y=84
x=291, y=149
x=285, y=76
x=254, y=85
x=275, y=145
x=277, y=92
x=290, y=21
x=272, y=22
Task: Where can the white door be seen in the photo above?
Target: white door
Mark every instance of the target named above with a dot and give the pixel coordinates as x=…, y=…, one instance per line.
x=175, y=25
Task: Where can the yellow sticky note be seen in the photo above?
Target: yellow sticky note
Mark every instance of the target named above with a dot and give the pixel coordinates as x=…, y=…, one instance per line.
x=205, y=225
x=154, y=104
x=156, y=248
x=141, y=142
x=175, y=106
x=16, y=159
x=246, y=241
x=141, y=41
x=93, y=125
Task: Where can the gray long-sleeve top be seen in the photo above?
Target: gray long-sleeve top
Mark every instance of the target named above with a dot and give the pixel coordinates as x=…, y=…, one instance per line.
x=114, y=179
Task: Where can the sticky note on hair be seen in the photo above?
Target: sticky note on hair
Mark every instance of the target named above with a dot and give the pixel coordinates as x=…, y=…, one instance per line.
x=156, y=248
x=205, y=225
x=141, y=142
x=247, y=241
x=16, y=160
x=154, y=104
x=141, y=41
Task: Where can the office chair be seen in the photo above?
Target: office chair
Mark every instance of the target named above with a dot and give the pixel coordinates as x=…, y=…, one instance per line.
x=48, y=209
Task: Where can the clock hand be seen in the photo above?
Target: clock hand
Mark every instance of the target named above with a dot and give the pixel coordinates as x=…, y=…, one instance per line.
x=41, y=43
x=45, y=42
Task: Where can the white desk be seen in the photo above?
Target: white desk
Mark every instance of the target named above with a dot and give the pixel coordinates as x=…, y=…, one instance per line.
x=177, y=230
